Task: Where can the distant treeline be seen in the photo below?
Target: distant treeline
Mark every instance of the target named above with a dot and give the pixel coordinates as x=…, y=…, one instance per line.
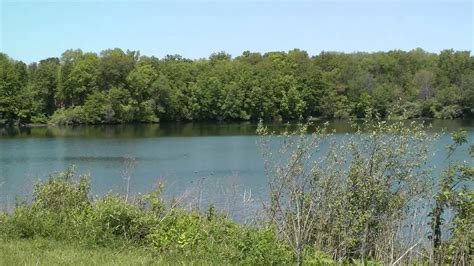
x=118, y=87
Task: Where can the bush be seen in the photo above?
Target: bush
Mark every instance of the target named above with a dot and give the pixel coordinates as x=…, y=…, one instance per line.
x=69, y=116
x=20, y=224
x=62, y=194
x=339, y=196
x=112, y=218
x=39, y=119
x=194, y=236
x=449, y=112
x=58, y=207
x=63, y=210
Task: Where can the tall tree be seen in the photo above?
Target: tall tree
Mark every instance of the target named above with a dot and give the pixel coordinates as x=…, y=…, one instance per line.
x=114, y=67
x=44, y=79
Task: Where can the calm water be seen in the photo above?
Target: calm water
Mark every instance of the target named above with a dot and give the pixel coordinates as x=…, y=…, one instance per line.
x=221, y=158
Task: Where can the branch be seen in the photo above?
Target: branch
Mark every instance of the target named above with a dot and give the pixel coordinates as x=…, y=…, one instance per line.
x=406, y=252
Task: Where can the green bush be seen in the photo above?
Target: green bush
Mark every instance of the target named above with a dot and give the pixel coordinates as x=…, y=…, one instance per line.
x=62, y=210
x=194, y=236
x=316, y=257
x=68, y=116
x=449, y=112
x=62, y=194
x=39, y=119
x=58, y=207
x=112, y=217
x=20, y=224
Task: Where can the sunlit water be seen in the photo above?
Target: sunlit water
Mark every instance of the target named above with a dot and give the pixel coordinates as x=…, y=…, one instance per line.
x=219, y=163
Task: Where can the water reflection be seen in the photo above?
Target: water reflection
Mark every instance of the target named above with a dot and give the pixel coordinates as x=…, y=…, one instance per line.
x=193, y=129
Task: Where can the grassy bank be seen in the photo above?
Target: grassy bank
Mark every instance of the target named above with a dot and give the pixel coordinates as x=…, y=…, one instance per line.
x=51, y=252
x=64, y=225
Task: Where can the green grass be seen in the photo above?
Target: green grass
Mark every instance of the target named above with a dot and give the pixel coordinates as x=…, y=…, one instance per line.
x=49, y=252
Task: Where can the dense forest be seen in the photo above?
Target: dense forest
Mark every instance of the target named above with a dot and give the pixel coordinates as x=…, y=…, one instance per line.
x=119, y=87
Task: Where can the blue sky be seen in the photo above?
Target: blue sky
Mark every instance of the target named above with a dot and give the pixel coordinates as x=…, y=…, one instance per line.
x=34, y=30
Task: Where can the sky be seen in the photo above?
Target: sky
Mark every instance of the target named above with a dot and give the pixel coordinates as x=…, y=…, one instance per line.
x=35, y=30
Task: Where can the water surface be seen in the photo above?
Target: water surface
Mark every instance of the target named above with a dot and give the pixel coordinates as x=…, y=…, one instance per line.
x=220, y=158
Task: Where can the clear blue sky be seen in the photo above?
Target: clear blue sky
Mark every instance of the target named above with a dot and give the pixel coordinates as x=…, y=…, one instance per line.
x=34, y=30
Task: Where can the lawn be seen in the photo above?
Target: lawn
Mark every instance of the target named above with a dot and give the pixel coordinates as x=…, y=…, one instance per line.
x=49, y=252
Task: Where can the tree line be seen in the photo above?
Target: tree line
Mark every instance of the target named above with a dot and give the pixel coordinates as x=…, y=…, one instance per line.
x=117, y=86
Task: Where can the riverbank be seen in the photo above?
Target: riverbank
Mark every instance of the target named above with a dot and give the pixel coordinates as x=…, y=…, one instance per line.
x=52, y=252
x=63, y=211
x=315, y=120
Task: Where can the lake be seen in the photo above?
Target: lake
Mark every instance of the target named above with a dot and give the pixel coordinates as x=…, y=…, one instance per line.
x=217, y=162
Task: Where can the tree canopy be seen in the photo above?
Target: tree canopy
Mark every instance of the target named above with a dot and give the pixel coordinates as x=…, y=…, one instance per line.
x=118, y=86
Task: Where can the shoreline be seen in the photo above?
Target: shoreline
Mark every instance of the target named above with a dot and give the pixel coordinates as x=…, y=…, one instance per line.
x=313, y=119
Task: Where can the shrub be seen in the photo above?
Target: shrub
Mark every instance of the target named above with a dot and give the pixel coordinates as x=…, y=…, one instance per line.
x=39, y=119
x=193, y=236
x=58, y=207
x=20, y=224
x=114, y=218
x=449, y=112
x=454, y=196
x=67, y=116
x=349, y=197
x=62, y=194
x=62, y=210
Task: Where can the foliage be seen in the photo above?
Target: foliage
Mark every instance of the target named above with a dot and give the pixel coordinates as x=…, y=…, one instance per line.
x=351, y=198
x=190, y=235
x=68, y=116
x=118, y=86
x=62, y=210
x=456, y=197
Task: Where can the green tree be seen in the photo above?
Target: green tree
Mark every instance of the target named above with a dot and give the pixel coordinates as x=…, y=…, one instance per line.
x=273, y=86
x=15, y=104
x=114, y=67
x=43, y=80
x=141, y=86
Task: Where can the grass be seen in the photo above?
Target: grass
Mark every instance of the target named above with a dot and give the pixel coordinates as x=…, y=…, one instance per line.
x=50, y=252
